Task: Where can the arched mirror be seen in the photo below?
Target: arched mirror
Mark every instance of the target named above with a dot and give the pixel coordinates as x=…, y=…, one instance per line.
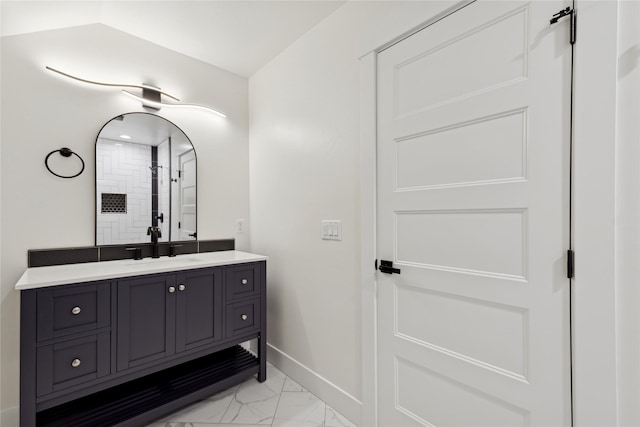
x=145, y=177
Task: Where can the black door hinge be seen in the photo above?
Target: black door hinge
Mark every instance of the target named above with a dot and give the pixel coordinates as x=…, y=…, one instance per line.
x=572, y=22
x=570, y=264
x=387, y=267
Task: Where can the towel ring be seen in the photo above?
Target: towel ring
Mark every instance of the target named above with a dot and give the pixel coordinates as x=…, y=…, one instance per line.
x=64, y=152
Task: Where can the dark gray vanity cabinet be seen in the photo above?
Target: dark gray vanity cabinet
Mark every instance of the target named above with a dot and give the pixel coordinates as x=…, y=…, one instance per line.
x=187, y=306
x=125, y=351
x=196, y=324
x=146, y=320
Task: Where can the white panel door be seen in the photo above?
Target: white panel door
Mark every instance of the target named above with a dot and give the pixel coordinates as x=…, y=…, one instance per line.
x=473, y=207
x=188, y=195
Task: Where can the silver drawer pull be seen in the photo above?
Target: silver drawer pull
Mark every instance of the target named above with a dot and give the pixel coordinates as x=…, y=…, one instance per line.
x=244, y=317
x=172, y=289
x=245, y=281
x=75, y=363
x=76, y=310
x=182, y=287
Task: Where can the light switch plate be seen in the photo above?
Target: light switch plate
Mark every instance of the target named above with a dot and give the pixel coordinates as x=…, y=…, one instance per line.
x=331, y=229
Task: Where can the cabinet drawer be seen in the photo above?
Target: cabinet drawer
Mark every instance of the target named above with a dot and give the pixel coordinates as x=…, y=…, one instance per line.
x=72, y=309
x=242, y=281
x=243, y=317
x=72, y=362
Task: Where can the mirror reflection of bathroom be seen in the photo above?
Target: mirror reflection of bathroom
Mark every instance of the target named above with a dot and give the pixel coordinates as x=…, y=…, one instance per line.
x=145, y=177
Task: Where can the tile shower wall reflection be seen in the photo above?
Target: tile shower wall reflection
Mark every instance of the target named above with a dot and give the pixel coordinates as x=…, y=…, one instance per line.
x=123, y=169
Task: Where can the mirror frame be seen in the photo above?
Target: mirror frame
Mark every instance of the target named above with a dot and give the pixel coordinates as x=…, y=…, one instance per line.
x=95, y=201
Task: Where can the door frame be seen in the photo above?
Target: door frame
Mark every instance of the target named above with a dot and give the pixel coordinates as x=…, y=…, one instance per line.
x=593, y=327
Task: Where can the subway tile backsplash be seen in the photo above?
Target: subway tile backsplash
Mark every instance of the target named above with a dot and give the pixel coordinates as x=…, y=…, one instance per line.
x=62, y=256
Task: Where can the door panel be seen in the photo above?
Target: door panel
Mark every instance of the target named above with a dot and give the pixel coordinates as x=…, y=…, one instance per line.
x=199, y=310
x=146, y=320
x=473, y=207
x=464, y=240
x=500, y=329
x=458, y=64
x=188, y=195
x=473, y=407
x=464, y=153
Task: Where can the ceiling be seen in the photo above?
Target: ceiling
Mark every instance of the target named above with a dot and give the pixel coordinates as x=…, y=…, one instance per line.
x=238, y=36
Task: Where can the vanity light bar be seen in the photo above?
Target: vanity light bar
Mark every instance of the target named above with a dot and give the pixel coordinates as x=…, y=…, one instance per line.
x=147, y=90
x=155, y=89
x=159, y=105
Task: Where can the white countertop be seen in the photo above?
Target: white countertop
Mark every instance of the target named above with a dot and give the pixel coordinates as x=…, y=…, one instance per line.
x=42, y=277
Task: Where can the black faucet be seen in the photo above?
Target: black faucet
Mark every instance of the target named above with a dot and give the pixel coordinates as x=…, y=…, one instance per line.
x=155, y=233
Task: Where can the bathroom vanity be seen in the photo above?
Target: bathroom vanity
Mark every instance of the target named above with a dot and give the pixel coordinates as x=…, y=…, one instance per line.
x=122, y=343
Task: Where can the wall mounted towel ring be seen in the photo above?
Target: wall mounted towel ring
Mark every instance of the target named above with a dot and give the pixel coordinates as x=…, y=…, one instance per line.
x=64, y=152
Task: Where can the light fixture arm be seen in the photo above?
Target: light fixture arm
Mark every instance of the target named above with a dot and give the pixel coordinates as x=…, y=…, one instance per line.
x=157, y=105
x=151, y=96
x=143, y=87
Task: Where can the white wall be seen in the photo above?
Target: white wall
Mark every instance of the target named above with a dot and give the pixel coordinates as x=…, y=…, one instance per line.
x=304, y=168
x=10, y=412
x=304, y=143
x=593, y=214
x=628, y=214
x=304, y=157
x=42, y=111
x=605, y=215
x=303, y=129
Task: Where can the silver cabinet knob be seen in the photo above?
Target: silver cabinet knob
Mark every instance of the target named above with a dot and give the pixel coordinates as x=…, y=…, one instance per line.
x=75, y=363
x=172, y=289
x=245, y=281
x=182, y=287
x=76, y=310
x=244, y=317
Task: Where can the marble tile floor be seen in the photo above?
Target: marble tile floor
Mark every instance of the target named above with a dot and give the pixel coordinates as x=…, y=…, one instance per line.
x=277, y=402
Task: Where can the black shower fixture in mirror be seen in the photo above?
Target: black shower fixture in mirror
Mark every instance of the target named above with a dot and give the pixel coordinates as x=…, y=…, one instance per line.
x=145, y=177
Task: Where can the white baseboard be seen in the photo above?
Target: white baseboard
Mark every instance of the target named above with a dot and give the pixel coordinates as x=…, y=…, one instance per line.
x=9, y=417
x=330, y=393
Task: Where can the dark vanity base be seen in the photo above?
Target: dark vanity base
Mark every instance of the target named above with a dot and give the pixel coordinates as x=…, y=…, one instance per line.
x=146, y=399
x=129, y=350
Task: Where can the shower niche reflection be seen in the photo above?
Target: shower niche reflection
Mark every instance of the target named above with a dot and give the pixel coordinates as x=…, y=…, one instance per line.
x=145, y=177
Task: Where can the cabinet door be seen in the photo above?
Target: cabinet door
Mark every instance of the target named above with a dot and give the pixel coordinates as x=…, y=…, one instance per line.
x=199, y=308
x=146, y=319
